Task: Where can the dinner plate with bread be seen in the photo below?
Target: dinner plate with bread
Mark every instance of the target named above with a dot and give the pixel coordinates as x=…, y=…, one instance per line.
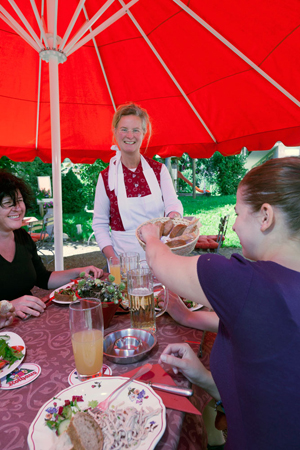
x=70, y=419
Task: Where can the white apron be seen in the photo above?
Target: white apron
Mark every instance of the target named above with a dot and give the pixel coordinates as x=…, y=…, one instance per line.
x=136, y=210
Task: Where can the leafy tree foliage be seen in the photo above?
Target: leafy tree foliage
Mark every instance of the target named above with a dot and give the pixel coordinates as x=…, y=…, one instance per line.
x=29, y=171
x=73, y=195
x=223, y=172
x=89, y=174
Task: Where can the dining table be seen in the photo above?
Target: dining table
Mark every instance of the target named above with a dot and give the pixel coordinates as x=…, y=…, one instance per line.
x=48, y=344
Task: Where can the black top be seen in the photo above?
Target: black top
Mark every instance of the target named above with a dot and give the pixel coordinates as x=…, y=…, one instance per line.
x=26, y=270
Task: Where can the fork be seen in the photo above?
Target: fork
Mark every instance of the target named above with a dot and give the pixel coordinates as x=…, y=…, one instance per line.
x=103, y=406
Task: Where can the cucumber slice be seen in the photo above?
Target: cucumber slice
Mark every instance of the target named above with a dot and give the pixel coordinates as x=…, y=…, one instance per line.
x=63, y=426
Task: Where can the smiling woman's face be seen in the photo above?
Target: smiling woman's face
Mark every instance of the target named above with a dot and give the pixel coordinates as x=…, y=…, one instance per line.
x=11, y=216
x=129, y=134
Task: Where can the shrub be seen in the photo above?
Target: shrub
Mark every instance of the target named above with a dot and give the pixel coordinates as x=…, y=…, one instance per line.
x=74, y=199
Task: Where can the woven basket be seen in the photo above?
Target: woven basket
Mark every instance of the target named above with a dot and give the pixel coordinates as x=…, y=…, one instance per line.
x=183, y=250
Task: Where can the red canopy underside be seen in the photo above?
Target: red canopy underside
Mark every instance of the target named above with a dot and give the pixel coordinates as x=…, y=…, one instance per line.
x=238, y=106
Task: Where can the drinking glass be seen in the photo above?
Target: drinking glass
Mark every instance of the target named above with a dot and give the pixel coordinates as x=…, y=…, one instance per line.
x=114, y=268
x=86, y=325
x=128, y=261
x=160, y=292
x=141, y=299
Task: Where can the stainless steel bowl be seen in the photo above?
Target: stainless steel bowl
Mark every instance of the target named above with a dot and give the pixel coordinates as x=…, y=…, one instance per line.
x=128, y=346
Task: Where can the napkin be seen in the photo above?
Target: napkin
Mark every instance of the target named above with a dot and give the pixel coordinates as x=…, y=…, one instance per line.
x=158, y=375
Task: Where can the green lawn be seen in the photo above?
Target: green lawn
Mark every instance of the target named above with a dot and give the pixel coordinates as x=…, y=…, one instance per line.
x=210, y=210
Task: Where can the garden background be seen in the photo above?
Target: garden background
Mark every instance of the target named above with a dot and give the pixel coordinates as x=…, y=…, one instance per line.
x=219, y=175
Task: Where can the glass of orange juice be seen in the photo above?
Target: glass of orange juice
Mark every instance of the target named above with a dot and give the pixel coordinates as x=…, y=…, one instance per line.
x=114, y=268
x=86, y=325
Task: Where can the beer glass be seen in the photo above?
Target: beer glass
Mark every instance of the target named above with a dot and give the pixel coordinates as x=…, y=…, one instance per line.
x=128, y=261
x=141, y=299
x=86, y=325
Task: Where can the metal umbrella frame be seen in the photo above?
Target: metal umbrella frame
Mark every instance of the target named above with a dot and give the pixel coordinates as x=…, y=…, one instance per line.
x=215, y=68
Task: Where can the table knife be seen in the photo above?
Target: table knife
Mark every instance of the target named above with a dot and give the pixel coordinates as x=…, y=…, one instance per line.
x=186, y=392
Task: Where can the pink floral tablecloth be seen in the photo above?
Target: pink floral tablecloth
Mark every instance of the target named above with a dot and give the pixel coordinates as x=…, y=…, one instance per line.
x=48, y=344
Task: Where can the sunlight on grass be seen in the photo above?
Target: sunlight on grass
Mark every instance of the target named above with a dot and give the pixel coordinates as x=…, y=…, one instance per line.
x=210, y=210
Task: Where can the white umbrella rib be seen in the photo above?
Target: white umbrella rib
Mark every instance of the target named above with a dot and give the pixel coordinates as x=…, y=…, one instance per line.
x=169, y=73
x=237, y=52
x=101, y=27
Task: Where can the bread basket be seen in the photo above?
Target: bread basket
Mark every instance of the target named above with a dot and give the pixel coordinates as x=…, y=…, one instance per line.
x=183, y=250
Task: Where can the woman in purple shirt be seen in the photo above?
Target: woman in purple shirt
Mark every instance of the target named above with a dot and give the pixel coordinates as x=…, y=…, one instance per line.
x=255, y=364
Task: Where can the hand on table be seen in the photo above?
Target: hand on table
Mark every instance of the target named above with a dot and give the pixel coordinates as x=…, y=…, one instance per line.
x=28, y=305
x=183, y=359
x=7, y=318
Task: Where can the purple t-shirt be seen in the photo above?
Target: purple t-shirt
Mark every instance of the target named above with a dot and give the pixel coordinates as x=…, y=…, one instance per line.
x=255, y=360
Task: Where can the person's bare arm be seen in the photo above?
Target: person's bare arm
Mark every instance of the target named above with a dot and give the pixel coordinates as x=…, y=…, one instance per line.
x=178, y=273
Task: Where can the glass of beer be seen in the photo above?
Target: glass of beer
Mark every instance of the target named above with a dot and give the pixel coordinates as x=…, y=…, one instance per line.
x=128, y=261
x=114, y=268
x=141, y=299
x=86, y=325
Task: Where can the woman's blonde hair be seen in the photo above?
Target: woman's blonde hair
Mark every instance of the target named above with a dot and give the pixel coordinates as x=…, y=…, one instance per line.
x=131, y=109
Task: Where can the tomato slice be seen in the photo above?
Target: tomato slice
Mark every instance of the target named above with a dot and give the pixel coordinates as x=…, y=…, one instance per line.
x=3, y=363
x=18, y=348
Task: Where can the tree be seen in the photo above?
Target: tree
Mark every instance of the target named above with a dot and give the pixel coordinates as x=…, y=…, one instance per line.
x=224, y=172
x=73, y=195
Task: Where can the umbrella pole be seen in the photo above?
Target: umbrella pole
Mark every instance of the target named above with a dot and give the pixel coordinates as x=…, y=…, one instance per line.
x=56, y=161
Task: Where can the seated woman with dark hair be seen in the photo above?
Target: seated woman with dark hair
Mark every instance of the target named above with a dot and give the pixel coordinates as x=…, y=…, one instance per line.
x=20, y=266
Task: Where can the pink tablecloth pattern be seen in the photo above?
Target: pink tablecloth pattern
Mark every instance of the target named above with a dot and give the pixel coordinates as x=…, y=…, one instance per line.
x=48, y=344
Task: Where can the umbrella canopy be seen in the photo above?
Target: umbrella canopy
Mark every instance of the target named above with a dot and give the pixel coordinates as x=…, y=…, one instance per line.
x=212, y=75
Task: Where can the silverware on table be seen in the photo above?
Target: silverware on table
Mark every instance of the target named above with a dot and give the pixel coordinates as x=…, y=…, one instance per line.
x=103, y=406
x=186, y=392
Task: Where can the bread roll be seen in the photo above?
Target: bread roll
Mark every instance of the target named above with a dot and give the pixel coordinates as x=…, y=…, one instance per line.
x=5, y=307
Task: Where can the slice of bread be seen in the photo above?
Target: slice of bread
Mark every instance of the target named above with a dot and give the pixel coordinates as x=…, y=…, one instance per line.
x=168, y=225
x=85, y=433
x=177, y=230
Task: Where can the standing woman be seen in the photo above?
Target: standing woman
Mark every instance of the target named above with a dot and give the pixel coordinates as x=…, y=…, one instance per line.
x=133, y=188
x=20, y=266
x=255, y=364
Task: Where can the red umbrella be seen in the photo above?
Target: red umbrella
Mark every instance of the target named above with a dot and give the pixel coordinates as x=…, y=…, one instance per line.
x=213, y=76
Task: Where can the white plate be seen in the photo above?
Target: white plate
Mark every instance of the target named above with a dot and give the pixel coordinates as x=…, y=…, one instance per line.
x=40, y=437
x=193, y=308
x=15, y=339
x=65, y=286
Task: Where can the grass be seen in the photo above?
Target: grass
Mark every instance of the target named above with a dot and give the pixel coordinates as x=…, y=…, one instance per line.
x=210, y=210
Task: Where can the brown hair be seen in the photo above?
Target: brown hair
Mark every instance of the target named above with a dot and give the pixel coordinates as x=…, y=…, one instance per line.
x=131, y=109
x=276, y=182
x=9, y=184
